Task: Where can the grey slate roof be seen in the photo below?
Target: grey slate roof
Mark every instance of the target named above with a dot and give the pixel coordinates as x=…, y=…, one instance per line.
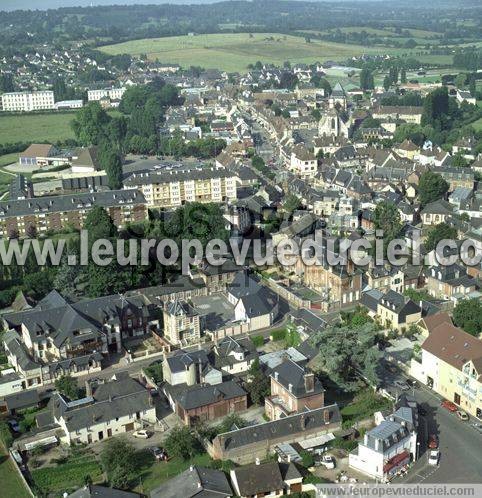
x=387, y=433
x=113, y=399
x=195, y=481
x=202, y=395
x=228, y=345
x=290, y=372
x=71, y=202
x=180, y=360
x=287, y=427
x=256, y=480
x=244, y=285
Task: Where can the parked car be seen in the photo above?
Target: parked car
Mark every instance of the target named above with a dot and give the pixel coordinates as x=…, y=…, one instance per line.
x=159, y=453
x=14, y=425
x=412, y=383
x=434, y=457
x=327, y=461
x=401, y=385
x=477, y=427
x=432, y=441
x=142, y=434
x=462, y=415
x=422, y=411
x=153, y=391
x=448, y=405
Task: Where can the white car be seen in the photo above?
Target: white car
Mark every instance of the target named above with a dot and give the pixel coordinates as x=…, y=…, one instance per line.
x=141, y=434
x=462, y=415
x=327, y=461
x=433, y=457
x=401, y=385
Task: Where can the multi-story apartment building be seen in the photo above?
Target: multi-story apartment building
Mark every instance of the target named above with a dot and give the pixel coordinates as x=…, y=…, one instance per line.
x=172, y=188
x=28, y=101
x=449, y=282
x=110, y=93
x=24, y=216
x=451, y=364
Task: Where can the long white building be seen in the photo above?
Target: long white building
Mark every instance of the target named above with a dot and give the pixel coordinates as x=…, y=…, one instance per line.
x=28, y=101
x=111, y=93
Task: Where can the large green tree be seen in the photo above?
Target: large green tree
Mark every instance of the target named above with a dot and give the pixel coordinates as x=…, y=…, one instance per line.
x=120, y=462
x=183, y=443
x=387, y=218
x=437, y=233
x=468, y=315
x=431, y=187
x=68, y=386
x=99, y=224
x=258, y=385
x=90, y=124
x=346, y=352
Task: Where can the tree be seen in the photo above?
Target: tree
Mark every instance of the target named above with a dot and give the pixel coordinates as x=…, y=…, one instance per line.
x=5, y=434
x=459, y=161
x=387, y=82
x=258, y=386
x=291, y=203
x=366, y=79
x=344, y=352
x=387, y=218
x=111, y=162
x=436, y=108
x=461, y=80
x=437, y=233
x=154, y=371
x=120, y=462
x=468, y=315
x=68, y=386
x=403, y=76
x=431, y=187
x=182, y=443
x=90, y=124
x=99, y=224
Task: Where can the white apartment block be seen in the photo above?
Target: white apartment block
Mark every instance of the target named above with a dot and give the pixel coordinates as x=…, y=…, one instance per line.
x=111, y=93
x=28, y=101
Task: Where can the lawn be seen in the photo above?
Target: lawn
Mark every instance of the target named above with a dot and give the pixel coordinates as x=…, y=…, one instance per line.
x=49, y=127
x=363, y=406
x=477, y=125
x=7, y=159
x=67, y=475
x=158, y=472
x=234, y=51
x=12, y=485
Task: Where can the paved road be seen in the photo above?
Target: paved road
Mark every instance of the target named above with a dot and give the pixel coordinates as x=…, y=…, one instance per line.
x=460, y=445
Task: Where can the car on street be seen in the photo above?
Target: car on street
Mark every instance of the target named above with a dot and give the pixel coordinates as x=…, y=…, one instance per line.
x=412, y=383
x=142, y=434
x=14, y=425
x=432, y=441
x=434, y=457
x=448, y=405
x=327, y=461
x=401, y=385
x=477, y=427
x=462, y=415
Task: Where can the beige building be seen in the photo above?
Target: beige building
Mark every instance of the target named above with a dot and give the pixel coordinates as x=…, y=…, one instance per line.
x=397, y=311
x=174, y=187
x=451, y=364
x=181, y=323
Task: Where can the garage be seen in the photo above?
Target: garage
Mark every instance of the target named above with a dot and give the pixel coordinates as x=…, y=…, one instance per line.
x=129, y=426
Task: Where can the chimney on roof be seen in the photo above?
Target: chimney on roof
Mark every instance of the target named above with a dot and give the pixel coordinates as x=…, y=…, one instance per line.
x=290, y=388
x=257, y=461
x=88, y=388
x=309, y=382
x=326, y=416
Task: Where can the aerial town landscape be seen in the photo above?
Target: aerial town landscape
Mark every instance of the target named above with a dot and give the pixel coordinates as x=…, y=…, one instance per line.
x=240, y=247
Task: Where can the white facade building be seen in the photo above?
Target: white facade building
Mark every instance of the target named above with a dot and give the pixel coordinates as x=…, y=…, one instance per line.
x=28, y=101
x=111, y=93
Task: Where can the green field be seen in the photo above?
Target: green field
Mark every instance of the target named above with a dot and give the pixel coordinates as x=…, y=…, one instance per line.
x=12, y=485
x=234, y=51
x=49, y=127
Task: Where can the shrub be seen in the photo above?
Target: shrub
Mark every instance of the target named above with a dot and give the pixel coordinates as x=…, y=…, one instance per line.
x=258, y=340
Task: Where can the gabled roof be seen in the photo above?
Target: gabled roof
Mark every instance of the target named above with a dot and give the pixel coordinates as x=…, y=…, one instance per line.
x=202, y=395
x=292, y=377
x=196, y=481
x=258, y=479
x=452, y=345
